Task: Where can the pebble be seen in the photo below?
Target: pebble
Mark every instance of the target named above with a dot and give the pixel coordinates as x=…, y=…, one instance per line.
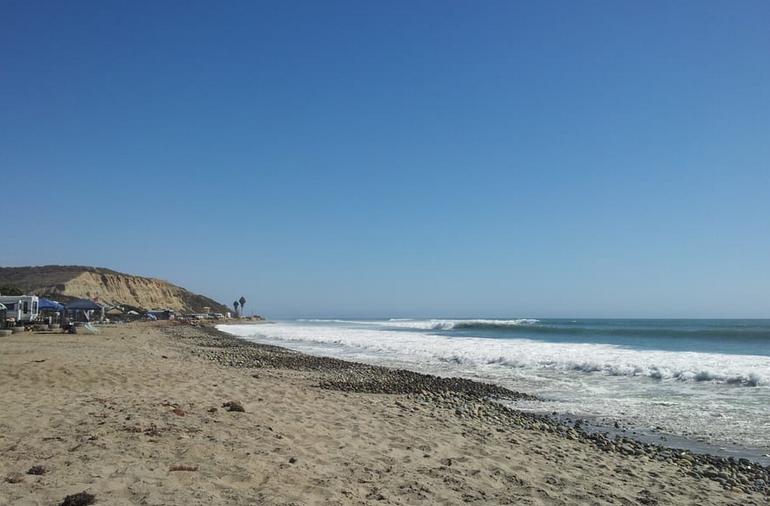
x=468, y=399
x=37, y=470
x=233, y=406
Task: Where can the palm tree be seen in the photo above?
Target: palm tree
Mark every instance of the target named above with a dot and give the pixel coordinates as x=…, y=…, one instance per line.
x=235, y=306
x=243, y=302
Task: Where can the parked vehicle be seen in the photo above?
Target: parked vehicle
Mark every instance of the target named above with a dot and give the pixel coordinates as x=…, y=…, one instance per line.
x=21, y=308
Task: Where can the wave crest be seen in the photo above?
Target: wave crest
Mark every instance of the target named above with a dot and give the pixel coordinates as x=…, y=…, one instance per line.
x=433, y=324
x=459, y=324
x=522, y=356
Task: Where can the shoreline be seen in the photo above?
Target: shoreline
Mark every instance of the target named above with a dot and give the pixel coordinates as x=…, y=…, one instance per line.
x=607, y=427
x=670, y=441
x=145, y=414
x=691, y=454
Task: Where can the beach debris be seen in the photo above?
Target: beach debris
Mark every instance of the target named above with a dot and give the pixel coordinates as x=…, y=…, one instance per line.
x=376, y=495
x=179, y=412
x=292, y=460
x=152, y=431
x=233, y=406
x=213, y=410
x=79, y=499
x=14, y=478
x=183, y=467
x=37, y=470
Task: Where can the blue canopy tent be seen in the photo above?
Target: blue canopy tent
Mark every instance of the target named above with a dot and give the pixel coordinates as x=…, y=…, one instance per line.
x=84, y=308
x=82, y=305
x=50, y=305
x=50, y=309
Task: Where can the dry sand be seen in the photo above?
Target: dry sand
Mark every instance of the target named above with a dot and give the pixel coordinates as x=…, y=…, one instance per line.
x=112, y=414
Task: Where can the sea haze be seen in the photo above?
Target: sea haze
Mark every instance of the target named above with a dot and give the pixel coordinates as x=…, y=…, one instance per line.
x=707, y=380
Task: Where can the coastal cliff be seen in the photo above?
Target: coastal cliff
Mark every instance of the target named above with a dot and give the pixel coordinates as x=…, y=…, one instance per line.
x=108, y=286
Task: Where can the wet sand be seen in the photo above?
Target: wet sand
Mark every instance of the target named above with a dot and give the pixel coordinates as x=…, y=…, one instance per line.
x=135, y=415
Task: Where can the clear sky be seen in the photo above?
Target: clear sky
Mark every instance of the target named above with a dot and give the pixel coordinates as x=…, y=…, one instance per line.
x=447, y=158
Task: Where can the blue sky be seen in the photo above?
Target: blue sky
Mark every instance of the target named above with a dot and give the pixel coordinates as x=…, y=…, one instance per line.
x=596, y=159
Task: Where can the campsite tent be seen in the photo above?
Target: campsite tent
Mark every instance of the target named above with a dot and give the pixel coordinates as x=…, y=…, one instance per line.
x=83, y=305
x=114, y=312
x=49, y=305
x=85, y=309
x=50, y=309
x=162, y=314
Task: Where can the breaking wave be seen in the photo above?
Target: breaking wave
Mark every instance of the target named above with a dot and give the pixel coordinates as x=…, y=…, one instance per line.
x=697, y=389
x=516, y=355
x=757, y=332
x=690, y=372
x=435, y=324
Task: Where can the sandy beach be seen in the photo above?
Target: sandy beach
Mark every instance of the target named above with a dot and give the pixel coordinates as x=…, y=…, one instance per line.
x=137, y=415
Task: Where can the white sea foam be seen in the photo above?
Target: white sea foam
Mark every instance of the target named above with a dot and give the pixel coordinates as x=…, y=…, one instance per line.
x=694, y=394
x=380, y=338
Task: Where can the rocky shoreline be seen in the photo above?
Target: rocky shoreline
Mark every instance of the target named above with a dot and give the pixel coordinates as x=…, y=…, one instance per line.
x=467, y=399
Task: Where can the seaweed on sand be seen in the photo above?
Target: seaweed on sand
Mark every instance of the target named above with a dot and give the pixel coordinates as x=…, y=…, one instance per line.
x=79, y=499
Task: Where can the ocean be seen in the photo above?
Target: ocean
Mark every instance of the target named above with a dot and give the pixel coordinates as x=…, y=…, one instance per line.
x=701, y=382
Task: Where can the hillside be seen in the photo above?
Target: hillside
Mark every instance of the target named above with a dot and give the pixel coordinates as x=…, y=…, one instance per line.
x=67, y=282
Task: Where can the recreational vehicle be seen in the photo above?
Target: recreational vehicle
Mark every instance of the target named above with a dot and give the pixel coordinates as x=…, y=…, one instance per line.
x=20, y=308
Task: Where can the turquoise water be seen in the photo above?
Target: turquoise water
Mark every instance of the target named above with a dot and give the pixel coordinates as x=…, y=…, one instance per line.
x=706, y=380
x=714, y=336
